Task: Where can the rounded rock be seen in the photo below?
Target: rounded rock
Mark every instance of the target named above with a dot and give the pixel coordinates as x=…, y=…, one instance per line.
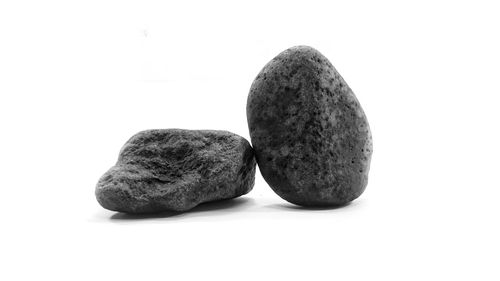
x=311, y=137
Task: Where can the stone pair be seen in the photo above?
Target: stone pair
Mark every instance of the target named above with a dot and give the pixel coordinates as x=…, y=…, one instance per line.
x=310, y=138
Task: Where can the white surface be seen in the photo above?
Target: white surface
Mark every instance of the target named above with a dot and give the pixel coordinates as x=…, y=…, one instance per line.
x=77, y=79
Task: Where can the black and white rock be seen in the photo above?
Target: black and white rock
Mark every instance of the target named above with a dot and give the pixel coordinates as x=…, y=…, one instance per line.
x=175, y=170
x=310, y=135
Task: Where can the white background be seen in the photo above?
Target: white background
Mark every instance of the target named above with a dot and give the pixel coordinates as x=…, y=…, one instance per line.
x=77, y=79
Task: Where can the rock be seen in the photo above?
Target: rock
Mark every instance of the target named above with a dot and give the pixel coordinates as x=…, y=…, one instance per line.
x=310, y=135
x=175, y=170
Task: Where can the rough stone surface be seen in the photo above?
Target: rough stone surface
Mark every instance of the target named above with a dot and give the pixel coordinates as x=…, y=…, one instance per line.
x=173, y=169
x=311, y=138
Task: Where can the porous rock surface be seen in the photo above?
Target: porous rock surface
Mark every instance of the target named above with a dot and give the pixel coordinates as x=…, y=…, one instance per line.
x=310, y=135
x=175, y=170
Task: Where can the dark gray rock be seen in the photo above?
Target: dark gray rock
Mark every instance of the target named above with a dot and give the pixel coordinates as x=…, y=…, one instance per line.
x=173, y=169
x=311, y=138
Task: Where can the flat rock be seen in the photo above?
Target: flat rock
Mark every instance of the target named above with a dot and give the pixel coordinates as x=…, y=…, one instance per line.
x=175, y=170
x=310, y=135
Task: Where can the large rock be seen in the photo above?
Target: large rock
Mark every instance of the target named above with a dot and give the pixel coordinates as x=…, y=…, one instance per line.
x=311, y=138
x=173, y=169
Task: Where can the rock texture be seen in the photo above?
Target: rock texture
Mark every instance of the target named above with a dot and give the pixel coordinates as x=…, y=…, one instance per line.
x=311, y=138
x=173, y=169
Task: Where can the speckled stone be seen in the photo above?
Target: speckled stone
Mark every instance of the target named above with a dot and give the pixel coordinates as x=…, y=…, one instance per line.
x=310, y=135
x=175, y=170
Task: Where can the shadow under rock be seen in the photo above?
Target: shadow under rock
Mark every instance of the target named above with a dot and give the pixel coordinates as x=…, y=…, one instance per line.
x=205, y=208
x=291, y=207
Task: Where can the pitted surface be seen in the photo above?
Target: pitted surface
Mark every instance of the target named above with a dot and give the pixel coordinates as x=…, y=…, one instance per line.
x=310, y=135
